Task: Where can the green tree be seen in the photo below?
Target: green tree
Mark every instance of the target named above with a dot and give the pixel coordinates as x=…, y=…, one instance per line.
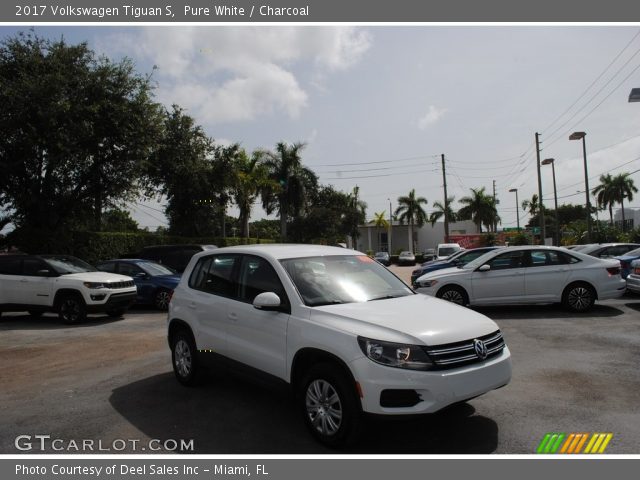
x=355, y=215
x=117, y=220
x=606, y=195
x=532, y=206
x=380, y=221
x=291, y=183
x=75, y=132
x=251, y=177
x=623, y=187
x=480, y=208
x=439, y=211
x=410, y=210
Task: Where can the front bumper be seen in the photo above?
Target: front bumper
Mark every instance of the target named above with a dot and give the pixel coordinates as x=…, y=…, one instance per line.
x=436, y=389
x=113, y=301
x=633, y=283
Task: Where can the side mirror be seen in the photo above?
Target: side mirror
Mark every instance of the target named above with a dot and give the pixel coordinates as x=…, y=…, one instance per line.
x=142, y=275
x=484, y=268
x=268, y=301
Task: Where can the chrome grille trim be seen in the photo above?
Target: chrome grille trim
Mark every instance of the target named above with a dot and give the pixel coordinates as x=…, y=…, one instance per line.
x=454, y=354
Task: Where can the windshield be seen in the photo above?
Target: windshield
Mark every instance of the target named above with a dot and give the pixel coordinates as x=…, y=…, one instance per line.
x=65, y=264
x=446, y=251
x=155, y=269
x=342, y=279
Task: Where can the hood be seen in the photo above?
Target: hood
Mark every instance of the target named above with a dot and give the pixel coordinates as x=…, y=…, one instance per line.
x=97, y=277
x=444, y=272
x=414, y=319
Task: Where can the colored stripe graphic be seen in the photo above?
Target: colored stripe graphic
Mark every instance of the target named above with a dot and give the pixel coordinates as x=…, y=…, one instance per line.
x=573, y=443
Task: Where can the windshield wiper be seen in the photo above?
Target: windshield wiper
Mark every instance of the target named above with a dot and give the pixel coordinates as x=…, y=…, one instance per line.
x=384, y=297
x=328, y=302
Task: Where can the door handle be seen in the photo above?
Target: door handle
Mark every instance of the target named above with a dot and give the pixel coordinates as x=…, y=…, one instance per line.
x=192, y=305
x=233, y=316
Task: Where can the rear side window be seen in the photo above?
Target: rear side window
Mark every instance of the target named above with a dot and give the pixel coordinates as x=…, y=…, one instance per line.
x=214, y=274
x=9, y=266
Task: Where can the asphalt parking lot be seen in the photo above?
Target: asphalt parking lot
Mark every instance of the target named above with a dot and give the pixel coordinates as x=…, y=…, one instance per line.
x=111, y=380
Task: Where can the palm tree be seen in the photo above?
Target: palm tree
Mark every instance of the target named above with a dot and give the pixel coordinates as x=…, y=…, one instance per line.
x=251, y=177
x=356, y=215
x=410, y=210
x=290, y=183
x=623, y=187
x=439, y=211
x=532, y=205
x=480, y=208
x=380, y=221
x=605, y=194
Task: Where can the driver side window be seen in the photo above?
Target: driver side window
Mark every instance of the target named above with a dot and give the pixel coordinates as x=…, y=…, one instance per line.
x=507, y=260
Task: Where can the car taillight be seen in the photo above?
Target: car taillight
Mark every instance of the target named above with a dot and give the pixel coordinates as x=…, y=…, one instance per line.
x=613, y=271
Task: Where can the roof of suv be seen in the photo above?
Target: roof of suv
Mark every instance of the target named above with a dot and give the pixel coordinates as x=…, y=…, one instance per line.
x=281, y=251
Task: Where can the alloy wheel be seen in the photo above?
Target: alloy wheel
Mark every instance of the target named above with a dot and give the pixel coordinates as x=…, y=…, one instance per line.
x=324, y=408
x=182, y=358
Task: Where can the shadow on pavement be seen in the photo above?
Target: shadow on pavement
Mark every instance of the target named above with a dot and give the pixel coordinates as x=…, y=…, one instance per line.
x=50, y=321
x=229, y=414
x=538, y=312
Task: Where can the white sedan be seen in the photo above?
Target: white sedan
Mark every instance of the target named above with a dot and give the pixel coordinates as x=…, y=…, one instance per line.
x=633, y=279
x=528, y=274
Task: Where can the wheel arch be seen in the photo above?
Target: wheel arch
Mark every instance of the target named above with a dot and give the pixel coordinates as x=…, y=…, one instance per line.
x=177, y=325
x=64, y=292
x=579, y=281
x=309, y=356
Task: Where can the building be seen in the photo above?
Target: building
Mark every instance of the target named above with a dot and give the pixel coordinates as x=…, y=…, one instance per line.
x=631, y=218
x=376, y=239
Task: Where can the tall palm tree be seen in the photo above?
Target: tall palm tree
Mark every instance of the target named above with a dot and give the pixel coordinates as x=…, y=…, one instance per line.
x=624, y=188
x=251, y=177
x=290, y=183
x=439, y=210
x=480, y=208
x=380, y=221
x=533, y=206
x=605, y=194
x=356, y=215
x=410, y=210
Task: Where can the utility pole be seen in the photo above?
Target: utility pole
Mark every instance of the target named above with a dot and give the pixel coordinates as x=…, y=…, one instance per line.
x=446, y=203
x=495, y=204
x=540, y=205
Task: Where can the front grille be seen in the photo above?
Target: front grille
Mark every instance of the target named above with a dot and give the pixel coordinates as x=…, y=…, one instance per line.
x=453, y=355
x=116, y=285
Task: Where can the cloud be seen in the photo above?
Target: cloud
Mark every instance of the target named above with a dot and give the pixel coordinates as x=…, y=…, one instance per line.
x=432, y=116
x=235, y=74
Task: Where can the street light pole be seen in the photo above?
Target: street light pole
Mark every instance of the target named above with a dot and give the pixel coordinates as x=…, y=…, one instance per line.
x=551, y=161
x=517, y=207
x=543, y=233
x=578, y=136
x=390, y=228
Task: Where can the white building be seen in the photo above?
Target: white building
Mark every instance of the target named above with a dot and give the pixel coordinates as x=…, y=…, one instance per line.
x=376, y=238
x=631, y=217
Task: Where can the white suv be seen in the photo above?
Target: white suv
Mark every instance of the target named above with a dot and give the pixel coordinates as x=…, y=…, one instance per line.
x=347, y=334
x=63, y=284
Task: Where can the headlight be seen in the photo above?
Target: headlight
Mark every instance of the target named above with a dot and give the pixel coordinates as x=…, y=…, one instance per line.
x=93, y=285
x=395, y=355
x=427, y=283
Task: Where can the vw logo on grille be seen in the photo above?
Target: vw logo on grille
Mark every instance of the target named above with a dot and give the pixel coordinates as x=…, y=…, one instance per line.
x=480, y=348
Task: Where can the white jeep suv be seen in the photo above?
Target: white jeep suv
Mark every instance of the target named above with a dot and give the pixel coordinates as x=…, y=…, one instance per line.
x=63, y=284
x=347, y=334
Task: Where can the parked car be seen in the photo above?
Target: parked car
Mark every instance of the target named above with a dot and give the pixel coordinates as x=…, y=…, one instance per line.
x=406, y=258
x=444, y=250
x=347, y=335
x=458, y=259
x=626, y=260
x=383, y=258
x=528, y=274
x=62, y=284
x=155, y=282
x=175, y=257
x=633, y=279
x=608, y=250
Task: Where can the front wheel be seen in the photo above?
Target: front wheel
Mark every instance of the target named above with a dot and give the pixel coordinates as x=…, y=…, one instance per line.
x=330, y=406
x=453, y=294
x=72, y=309
x=579, y=297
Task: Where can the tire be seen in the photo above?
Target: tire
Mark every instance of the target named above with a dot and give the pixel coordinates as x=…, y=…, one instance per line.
x=453, y=294
x=184, y=358
x=72, y=309
x=579, y=297
x=329, y=404
x=118, y=312
x=35, y=313
x=161, y=299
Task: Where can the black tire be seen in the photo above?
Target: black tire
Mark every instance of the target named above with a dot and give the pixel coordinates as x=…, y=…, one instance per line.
x=72, y=309
x=453, y=294
x=161, y=299
x=578, y=297
x=116, y=313
x=184, y=358
x=330, y=406
x=35, y=313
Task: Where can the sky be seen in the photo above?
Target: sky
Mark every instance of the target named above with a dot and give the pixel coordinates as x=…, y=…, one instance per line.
x=378, y=105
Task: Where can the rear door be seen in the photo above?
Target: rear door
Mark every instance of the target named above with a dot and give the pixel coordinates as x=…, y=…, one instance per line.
x=503, y=283
x=546, y=275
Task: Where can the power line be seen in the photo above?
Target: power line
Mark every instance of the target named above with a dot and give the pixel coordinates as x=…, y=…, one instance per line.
x=382, y=175
x=374, y=163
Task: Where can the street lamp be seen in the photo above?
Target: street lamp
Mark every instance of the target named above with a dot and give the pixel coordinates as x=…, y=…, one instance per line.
x=517, y=206
x=634, y=95
x=551, y=161
x=578, y=136
x=390, y=228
